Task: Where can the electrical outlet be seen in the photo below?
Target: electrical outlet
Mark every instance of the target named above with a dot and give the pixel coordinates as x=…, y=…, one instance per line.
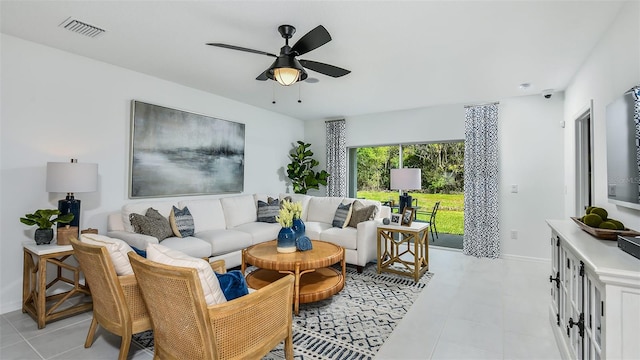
x=514, y=234
x=514, y=188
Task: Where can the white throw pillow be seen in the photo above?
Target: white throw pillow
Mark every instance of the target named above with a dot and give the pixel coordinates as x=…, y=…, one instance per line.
x=210, y=286
x=117, y=249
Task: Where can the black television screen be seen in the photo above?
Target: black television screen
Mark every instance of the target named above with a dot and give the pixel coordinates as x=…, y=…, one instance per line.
x=623, y=150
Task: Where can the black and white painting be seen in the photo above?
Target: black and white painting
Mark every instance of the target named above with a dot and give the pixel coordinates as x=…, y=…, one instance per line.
x=176, y=153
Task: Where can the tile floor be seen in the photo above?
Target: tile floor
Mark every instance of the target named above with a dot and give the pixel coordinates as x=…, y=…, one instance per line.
x=472, y=309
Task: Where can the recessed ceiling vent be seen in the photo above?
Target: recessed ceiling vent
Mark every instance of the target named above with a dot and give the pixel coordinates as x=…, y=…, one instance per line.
x=81, y=28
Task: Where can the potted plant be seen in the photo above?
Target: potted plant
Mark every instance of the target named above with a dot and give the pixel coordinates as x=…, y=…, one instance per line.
x=301, y=172
x=42, y=218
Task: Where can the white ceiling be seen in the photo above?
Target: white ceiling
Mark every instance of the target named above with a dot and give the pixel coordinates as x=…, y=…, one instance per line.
x=402, y=55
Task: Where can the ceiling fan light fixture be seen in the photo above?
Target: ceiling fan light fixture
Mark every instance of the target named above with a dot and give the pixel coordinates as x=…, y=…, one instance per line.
x=286, y=76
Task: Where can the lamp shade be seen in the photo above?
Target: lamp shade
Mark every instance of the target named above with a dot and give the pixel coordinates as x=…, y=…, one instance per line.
x=72, y=177
x=406, y=179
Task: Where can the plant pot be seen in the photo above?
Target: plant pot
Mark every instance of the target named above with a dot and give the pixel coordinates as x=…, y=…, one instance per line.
x=43, y=236
x=286, y=240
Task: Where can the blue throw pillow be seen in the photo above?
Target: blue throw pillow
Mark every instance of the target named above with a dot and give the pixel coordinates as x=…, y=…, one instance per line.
x=142, y=253
x=233, y=284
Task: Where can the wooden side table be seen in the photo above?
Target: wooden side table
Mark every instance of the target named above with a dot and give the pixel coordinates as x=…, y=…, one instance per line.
x=392, y=240
x=36, y=302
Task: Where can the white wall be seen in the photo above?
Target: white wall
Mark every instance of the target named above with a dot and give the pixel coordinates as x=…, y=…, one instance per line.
x=56, y=105
x=612, y=68
x=531, y=143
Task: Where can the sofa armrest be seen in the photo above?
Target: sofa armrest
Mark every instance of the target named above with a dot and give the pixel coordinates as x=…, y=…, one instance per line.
x=366, y=242
x=140, y=241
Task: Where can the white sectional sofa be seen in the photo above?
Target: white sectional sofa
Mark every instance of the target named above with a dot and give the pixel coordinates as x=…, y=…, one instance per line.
x=224, y=226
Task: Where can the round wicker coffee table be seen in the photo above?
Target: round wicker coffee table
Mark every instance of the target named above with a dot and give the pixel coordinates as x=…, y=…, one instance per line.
x=320, y=280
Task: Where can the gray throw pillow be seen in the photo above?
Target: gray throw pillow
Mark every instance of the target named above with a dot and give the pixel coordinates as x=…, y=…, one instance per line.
x=361, y=213
x=181, y=222
x=267, y=211
x=342, y=216
x=152, y=224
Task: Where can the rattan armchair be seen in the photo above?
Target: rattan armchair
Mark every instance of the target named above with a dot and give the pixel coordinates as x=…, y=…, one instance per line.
x=117, y=303
x=184, y=327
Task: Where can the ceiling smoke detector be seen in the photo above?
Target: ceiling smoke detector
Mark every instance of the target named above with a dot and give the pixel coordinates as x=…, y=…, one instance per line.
x=81, y=28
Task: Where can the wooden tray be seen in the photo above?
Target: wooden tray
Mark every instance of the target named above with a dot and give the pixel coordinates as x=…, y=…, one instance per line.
x=605, y=234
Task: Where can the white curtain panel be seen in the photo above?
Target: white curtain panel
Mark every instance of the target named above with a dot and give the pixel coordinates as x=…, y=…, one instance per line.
x=336, y=158
x=481, y=228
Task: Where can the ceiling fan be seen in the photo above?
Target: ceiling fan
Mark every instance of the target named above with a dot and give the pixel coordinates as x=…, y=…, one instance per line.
x=287, y=69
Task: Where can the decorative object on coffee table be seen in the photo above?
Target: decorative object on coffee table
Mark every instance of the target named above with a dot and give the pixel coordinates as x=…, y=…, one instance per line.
x=42, y=218
x=303, y=243
x=286, y=241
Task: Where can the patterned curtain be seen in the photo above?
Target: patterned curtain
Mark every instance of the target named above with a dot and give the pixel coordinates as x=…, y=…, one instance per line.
x=336, y=158
x=481, y=230
x=636, y=118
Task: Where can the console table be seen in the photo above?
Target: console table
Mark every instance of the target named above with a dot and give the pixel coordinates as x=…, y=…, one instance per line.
x=595, y=295
x=392, y=239
x=45, y=301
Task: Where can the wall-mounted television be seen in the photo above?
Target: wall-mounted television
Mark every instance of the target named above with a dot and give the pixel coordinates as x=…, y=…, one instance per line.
x=623, y=150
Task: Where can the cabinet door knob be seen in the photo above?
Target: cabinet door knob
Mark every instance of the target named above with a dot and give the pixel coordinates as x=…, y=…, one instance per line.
x=556, y=279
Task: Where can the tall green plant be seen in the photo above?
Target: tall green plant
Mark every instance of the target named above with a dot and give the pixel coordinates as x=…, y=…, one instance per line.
x=301, y=172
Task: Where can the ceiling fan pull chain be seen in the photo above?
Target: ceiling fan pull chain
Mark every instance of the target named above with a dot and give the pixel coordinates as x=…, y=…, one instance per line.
x=273, y=93
x=299, y=91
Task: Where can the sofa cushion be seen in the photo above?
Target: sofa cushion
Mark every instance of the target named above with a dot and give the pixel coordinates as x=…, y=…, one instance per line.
x=361, y=213
x=267, y=211
x=189, y=245
x=225, y=241
x=207, y=214
x=313, y=229
x=347, y=237
x=259, y=231
x=152, y=223
x=342, y=216
x=322, y=209
x=163, y=207
x=239, y=210
x=116, y=248
x=210, y=286
x=181, y=222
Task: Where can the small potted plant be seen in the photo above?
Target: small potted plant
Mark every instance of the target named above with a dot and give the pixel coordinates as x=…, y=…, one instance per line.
x=42, y=218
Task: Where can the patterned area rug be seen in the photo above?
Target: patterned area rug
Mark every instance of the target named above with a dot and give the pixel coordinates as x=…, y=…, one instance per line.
x=352, y=324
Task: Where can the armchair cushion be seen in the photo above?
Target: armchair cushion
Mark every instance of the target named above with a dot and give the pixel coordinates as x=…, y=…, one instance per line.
x=210, y=286
x=117, y=249
x=233, y=284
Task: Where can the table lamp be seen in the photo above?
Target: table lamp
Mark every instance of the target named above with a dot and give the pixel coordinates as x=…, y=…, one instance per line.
x=405, y=179
x=70, y=178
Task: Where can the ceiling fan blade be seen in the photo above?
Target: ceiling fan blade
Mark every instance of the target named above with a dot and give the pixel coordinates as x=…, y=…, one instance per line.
x=263, y=76
x=312, y=40
x=326, y=69
x=233, y=47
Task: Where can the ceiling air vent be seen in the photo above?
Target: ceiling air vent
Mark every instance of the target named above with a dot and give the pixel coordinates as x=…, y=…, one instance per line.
x=81, y=28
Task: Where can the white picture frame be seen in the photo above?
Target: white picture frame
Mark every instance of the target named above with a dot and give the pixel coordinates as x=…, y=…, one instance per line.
x=395, y=219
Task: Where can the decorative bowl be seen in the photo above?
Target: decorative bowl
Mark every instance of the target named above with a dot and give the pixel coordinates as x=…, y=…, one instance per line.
x=605, y=234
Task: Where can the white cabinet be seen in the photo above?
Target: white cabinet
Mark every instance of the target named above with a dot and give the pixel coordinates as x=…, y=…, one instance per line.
x=595, y=295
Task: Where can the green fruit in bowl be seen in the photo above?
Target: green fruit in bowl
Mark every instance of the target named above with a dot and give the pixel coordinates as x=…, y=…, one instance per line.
x=600, y=212
x=619, y=225
x=588, y=211
x=607, y=225
x=593, y=220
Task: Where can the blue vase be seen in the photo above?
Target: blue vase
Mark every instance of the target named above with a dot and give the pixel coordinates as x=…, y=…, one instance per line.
x=286, y=240
x=298, y=227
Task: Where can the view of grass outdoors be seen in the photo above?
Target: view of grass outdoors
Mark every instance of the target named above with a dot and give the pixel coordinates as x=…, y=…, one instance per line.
x=442, y=166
